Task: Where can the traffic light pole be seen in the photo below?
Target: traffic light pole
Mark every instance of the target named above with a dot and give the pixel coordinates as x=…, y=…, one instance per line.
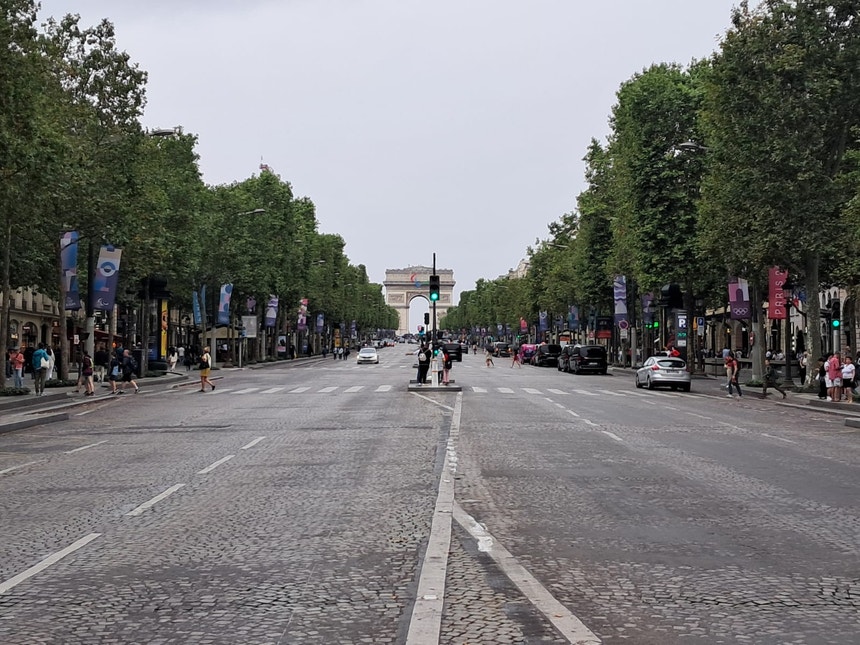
x=434, y=379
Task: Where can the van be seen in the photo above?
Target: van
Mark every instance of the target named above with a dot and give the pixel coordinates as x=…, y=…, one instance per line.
x=585, y=358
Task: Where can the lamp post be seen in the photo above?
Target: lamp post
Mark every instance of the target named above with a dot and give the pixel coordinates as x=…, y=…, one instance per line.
x=787, y=289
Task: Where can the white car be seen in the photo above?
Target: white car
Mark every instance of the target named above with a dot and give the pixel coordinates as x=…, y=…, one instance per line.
x=368, y=355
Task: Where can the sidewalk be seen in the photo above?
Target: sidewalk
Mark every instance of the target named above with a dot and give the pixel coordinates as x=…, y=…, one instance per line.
x=28, y=410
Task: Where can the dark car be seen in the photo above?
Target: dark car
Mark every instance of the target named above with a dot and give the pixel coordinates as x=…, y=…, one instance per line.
x=586, y=358
x=502, y=349
x=455, y=351
x=546, y=355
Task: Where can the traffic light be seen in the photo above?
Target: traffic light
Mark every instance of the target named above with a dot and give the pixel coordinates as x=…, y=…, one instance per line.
x=835, y=321
x=427, y=318
x=434, y=288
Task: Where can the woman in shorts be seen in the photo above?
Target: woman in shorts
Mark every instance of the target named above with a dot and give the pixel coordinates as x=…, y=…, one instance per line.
x=205, y=368
x=848, y=374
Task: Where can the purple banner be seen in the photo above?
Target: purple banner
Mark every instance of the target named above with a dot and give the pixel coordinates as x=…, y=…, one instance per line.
x=251, y=305
x=320, y=323
x=739, y=298
x=272, y=311
x=106, y=279
x=542, y=321
x=302, y=322
x=69, y=263
x=224, y=304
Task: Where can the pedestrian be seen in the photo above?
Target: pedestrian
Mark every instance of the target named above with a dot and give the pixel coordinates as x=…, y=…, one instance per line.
x=172, y=358
x=489, y=356
x=101, y=361
x=180, y=353
x=516, y=358
x=87, y=373
x=734, y=369
x=834, y=377
x=324, y=351
x=346, y=353
x=40, y=363
x=821, y=377
x=848, y=372
x=446, y=366
x=205, y=367
x=52, y=359
x=803, y=366
x=188, y=359
x=127, y=367
x=770, y=380
x=16, y=361
x=114, y=372
x=424, y=355
x=727, y=363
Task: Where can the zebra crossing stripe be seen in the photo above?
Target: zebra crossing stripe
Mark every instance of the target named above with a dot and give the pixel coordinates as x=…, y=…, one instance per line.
x=299, y=390
x=557, y=391
x=247, y=390
x=354, y=388
x=531, y=390
x=383, y=388
x=326, y=390
x=505, y=390
x=480, y=390
x=611, y=393
x=586, y=393
x=272, y=390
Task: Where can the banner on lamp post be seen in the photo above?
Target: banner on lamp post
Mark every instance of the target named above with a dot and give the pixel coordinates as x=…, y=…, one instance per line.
x=619, y=289
x=224, y=304
x=272, y=311
x=777, y=304
x=106, y=279
x=195, y=308
x=573, y=318
x=302, y=322
x=320, y=323
x=69, y=264
x=739, y=299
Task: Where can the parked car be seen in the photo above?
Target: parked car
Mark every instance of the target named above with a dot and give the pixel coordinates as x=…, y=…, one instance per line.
x=586, y=358
x=664, y=370
x=455, y=351
x=546, y=355
x=368, y=355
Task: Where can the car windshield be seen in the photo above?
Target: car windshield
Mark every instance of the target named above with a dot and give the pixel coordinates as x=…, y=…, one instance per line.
x=367, y=350
x=673, y=363
x=552, y=349
x=594, y=352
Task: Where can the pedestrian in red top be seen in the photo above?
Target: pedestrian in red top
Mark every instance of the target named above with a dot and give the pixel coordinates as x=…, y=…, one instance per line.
x=834, y=377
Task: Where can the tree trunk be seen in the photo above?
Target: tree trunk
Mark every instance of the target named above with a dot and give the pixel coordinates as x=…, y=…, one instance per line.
x=757, y=348
x=7, y=295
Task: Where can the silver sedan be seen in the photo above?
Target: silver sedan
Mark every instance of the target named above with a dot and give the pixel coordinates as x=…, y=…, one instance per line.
x=663, y=370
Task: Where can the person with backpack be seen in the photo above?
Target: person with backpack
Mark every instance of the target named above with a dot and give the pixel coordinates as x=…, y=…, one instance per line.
x=41, y=363
x=127, y=368
x=87, y=374
x=424, y=355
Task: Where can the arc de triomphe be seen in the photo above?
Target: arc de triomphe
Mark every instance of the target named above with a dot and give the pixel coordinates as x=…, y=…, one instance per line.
x=402, y=286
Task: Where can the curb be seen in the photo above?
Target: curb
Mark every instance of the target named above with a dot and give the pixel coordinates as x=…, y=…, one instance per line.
x=29, y=423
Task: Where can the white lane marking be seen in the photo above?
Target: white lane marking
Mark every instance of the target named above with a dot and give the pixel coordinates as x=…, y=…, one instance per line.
x=247, y=390
x=299, y=390
x=425, y=625
x=701, y=416
x=480, y=390
x=383, y=388
x=80, y=414
x=272, y=390
x=354, y=388
x=505, y=390
x=770, y=436
x=328, y=389
x=571, y=627
x=573, y=413
x=9, y=470
x=429, y=400
x=653, y=393
x=611, y=393
x=218, y=391
x=586, y=393
x=140, y=509
x=612, y=435
x=559, y=405
x=669, y=407
x=531, y=390
x=92, y=445
x=557, y=391
x=591, y=423
x=212, y=467
x=47, y=562
x=252, y=444
x=635, y=393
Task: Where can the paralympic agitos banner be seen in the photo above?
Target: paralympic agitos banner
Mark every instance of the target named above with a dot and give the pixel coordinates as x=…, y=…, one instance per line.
x=106, y=279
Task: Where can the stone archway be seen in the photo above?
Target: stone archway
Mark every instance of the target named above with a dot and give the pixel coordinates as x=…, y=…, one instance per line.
x=402, y=286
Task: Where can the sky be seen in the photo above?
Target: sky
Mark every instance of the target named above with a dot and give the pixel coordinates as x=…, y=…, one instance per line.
x=449, y=127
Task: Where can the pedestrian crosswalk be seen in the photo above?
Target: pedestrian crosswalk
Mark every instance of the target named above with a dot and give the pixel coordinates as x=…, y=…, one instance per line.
x=223, y=390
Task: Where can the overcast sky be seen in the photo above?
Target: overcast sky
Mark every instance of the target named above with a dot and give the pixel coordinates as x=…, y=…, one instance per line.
x=454, y=127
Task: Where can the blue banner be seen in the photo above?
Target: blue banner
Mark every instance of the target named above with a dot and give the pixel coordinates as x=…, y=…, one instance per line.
x=203, y=305
x=69, y=264
x=195, y=307
x=320, y=323
x=224, y=304
x=106, y=279
x=542, y=321
x=619, y=289
x=573, y=318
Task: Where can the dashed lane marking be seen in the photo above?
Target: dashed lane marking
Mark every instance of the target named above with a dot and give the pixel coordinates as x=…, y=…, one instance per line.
x=299, y=390
x=354, y=388
x=612, y=435
x=326, y=390
x=88, y=446
x=252, y=443
x=47, y=562
x=152, y=502
x=215, y=465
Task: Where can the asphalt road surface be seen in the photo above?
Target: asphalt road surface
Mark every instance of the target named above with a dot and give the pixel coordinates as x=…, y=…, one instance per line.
x=323, y=503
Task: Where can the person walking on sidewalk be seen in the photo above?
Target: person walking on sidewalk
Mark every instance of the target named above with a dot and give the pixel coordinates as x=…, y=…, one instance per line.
x=205, y=369
x=733, y=370
x=41, y=363
x=114, y=372
x=848, y=372
x=770, y=380
x=127, y=368
x=87, y=374
x=101, y=359
x=16, y=360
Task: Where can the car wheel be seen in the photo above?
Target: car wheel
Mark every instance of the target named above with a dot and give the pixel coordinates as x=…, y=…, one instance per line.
x=650, y=384
x=638, y=384
x=685, y=388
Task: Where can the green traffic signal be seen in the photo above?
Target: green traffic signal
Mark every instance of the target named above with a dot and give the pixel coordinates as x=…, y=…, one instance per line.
x=835, y=323
x=656, y=324
x=434, y=288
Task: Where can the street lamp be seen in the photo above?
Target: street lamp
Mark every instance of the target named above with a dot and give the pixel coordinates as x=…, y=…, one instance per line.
x=787, y=290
